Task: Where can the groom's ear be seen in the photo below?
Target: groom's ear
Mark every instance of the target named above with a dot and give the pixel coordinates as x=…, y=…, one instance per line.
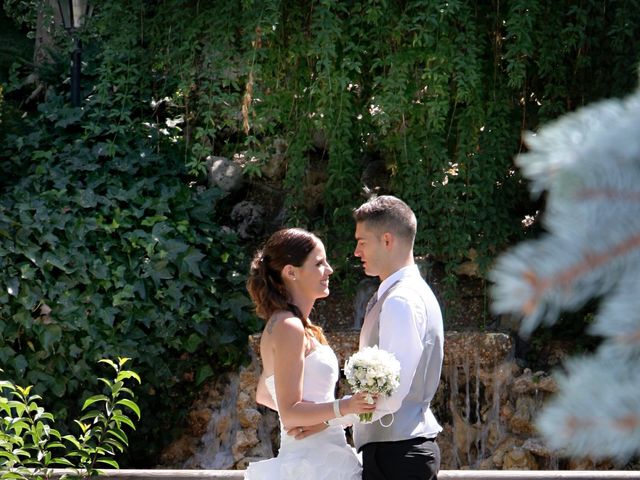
x=387, y=240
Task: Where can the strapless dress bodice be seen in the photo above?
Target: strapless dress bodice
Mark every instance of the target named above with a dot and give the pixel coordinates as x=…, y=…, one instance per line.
x=325, y=455
x=320, y=375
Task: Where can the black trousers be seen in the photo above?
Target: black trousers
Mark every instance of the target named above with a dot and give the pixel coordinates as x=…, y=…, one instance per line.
x=413, y=459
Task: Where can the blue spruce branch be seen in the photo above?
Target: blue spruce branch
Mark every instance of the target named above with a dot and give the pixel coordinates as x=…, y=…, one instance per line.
x=588, y=163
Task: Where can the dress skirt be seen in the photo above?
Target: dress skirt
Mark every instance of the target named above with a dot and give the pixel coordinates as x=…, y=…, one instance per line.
x=323, y=456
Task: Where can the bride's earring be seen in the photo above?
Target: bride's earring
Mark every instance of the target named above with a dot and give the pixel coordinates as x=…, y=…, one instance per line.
x=291, y=274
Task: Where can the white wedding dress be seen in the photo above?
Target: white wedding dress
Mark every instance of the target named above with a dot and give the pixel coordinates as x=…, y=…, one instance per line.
x=322, y=456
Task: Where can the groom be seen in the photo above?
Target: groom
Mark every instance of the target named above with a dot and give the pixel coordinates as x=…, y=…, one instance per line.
x=404, y=318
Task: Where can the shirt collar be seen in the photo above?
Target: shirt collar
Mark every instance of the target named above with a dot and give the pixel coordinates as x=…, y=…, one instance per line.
x=404, y=272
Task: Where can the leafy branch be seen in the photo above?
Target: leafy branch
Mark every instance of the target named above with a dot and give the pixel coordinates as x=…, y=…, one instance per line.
x=30, y=447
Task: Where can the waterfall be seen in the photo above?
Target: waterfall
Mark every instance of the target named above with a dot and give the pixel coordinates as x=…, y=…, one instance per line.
x=474, y=376
x=215, y=446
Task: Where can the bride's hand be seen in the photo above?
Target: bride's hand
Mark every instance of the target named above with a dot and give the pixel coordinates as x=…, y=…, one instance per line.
x=302, y=432
x=361, y=402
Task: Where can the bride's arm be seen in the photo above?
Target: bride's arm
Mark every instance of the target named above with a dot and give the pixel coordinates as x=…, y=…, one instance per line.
x=289, y=357
x=263, y=397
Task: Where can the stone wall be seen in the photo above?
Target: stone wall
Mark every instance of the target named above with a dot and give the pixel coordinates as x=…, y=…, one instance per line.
x=486, y=404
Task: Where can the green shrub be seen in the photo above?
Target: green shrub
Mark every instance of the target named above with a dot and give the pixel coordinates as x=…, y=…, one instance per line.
x=30, y=447
x=104, y=247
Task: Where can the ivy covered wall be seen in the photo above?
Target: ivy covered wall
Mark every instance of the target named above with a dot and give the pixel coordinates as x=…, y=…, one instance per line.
x=436, y=93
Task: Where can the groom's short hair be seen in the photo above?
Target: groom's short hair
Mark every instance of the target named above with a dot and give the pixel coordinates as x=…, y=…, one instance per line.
x=387, y=213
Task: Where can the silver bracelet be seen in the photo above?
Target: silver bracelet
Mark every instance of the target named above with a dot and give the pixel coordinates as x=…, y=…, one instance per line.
x=336, y=408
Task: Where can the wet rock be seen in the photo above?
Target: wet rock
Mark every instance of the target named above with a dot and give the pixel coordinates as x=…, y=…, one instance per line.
x=223, y=427
x=470, y=267
x=588, y=464
x=375, y=176
x=506, y=445
x=487, y=464
x=275, y=166
x=557, y=352
x=198, y=421
x=494, y=436
x=179, y=451
x=244, y=462
x=248, y=378
x=519, y=459
x=248, y=219
x=447, y=456
x=245, y=400
x=486, y=349
x=313, y=187
x=224, y=173
x=530, y=382
x=546, y=384
x=506, y=412
x=504, y=373
x=538, y=448
x=249, y=418
x=244, y=440
x=522, y=420
x=464, y=434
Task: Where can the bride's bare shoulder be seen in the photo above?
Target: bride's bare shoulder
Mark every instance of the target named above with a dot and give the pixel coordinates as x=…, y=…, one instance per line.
x=284, y=323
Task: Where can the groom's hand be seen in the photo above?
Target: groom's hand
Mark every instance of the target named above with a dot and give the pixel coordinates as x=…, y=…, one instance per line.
x=303, y=432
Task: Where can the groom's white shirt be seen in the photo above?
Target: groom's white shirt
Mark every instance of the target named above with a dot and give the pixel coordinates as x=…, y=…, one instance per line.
x=401, y=330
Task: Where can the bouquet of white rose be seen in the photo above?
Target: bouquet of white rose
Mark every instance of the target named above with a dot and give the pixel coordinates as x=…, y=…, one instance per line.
x=372, y=370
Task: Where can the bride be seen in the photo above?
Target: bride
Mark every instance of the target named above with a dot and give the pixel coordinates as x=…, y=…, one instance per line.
x=300, y=370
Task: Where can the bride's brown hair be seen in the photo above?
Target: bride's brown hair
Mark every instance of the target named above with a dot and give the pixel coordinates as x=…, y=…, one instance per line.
x=289, y=246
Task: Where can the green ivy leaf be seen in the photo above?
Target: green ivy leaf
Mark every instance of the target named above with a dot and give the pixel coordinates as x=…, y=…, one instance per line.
x=13, y=286
x=192, y=261
x=124, y=296
x=203, y=373
x=61, y=263
x=51, y=335
x=174, y=248
x=20, y=364
x=153, y=220
x=158, y=271
x=6, y=353
x=87, y=198
x=193, y=342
